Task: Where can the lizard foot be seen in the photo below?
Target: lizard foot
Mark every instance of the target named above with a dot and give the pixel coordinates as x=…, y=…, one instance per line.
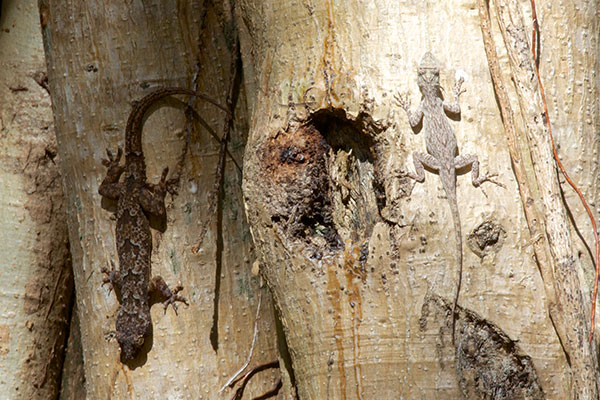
x=167, y=185
x=112, y=161
x=174, y=299
x=402, y=101
x=415, y=177
x=488, y=178
x=458, y=90
x=172, y=296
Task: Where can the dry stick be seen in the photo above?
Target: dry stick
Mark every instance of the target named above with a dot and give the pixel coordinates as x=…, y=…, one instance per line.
x=192, y=115
x=232, y=380
x=567, y=284
x=188, y=129
x=248, y=375
x=534, y=222
x=271, y=392
x=564, y=172
x=214, y=196
x=254, y=370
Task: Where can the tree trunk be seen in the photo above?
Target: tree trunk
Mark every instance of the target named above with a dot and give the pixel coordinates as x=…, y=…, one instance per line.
x=102, y=56
x=361, y=260
x=36, y=280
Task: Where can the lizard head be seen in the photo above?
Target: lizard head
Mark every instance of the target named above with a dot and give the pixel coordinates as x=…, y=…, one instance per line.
x=131, y=334
x=428, y=73
x=130, y=346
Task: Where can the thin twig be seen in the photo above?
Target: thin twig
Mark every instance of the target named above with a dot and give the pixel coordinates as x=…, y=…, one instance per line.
x=188, y=129
x=192, y=115
x=228, y=125
x=271, y=392
x=248, y=375
x=239, y=371
x=535, y=34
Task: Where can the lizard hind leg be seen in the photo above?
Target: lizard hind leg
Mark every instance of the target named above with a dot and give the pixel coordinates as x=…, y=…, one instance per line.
x=159, y=285
x=422, y=160
x=464, y=160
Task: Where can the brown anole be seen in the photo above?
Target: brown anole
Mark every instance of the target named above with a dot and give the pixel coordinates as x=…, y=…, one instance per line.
x=442, y=151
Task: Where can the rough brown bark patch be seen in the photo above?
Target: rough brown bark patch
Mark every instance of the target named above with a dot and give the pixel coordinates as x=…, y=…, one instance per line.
x=297, y=187
x=486, y=238
x=319, y=178
x=489, y=365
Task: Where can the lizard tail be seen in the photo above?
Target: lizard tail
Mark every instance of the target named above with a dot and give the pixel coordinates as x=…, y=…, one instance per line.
x=459, y=259
x=133, y=139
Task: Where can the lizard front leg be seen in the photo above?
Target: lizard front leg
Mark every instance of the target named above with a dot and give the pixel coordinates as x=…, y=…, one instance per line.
x=454, y=108
x=159, y=285
x=413, y=117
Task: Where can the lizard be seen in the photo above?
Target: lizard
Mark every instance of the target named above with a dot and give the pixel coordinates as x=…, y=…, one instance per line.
x=442, y=151
x=136, y=201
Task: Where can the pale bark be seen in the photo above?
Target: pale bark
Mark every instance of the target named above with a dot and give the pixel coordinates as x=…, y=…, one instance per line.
x=102, y=56
x=372, y=320
x=360, y=259
x=572, y=318
x=36, y=281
